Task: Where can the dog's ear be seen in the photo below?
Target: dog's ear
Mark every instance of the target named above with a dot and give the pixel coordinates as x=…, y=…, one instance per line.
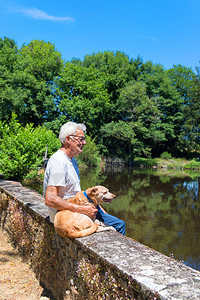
x=94, y=190
x=88, y=191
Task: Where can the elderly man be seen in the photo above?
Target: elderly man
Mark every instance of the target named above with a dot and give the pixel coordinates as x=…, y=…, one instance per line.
x=61, y=180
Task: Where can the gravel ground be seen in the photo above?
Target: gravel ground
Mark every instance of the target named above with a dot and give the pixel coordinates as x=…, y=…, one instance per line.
x=17, y=280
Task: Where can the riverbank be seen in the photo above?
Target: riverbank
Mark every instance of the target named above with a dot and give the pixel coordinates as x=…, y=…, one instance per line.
x=172, y=163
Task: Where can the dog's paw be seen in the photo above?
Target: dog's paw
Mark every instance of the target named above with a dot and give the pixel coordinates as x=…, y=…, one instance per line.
x=110, y=228
x=98, y=222
x=105, y=228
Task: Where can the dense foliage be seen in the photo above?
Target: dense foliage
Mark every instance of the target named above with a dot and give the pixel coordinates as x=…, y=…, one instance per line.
x=27, y=81
x=130, y=107
x=23, y=148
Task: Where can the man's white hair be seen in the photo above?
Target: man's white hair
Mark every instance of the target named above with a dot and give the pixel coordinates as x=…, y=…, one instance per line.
x=70, y=128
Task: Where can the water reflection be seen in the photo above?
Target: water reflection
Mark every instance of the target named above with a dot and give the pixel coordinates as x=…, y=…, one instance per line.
x=161, y=211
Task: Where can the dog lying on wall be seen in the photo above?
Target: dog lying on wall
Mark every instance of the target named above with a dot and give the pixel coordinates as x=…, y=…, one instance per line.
x=72, y=224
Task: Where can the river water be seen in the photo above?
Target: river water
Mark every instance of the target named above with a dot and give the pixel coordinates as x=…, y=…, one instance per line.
x=161, y=209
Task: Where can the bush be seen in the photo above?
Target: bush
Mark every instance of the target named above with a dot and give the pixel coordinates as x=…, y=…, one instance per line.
x=23, y=148
x=193, y=164
x=90, y=155
x=166, y=155
x=144, y=162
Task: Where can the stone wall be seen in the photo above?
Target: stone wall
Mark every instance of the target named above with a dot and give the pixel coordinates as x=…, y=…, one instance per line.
x=104, y=265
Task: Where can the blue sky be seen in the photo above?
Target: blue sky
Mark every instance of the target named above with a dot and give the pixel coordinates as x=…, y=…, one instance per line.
x=165, y=31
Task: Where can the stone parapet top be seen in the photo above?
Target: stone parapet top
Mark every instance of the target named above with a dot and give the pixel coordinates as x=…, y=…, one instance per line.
x=151, y=270
x=29, y=198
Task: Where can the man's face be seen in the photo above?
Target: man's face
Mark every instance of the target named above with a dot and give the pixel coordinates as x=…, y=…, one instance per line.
x=77, y=142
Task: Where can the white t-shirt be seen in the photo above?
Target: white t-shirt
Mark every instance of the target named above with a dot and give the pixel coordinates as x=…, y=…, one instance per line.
x=62, y=172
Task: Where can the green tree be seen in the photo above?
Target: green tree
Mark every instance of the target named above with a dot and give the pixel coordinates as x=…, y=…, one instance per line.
x=183, y=79
x=41, y=63
x=189, y=139
x=29, y=89
x=140, y=126
x=188, y=86
x=169, y=102
x=8, y=62
x=84, y=96
x=119, y=70
x=119, y=140
x=115, y=65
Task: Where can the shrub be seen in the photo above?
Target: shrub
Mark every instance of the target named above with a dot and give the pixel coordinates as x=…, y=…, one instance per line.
x=166, y=155
x=193, y=164
x=144, y=162
x=23, y=148
x=90, y=155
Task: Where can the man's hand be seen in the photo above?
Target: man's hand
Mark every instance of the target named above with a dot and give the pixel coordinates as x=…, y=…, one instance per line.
x=89, y=210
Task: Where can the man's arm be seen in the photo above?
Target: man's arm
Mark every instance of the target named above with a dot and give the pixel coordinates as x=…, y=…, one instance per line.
x=53, y=200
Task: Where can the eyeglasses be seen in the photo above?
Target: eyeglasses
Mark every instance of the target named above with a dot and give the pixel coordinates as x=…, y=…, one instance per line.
x=81, y=139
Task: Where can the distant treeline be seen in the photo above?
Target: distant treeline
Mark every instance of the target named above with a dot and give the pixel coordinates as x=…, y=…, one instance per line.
x=130, y=107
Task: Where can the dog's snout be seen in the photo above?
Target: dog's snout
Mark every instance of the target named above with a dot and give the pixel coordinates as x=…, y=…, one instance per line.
x=113, y=196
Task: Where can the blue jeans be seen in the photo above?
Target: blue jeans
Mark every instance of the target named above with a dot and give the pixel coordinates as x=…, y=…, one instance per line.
x=110, y=220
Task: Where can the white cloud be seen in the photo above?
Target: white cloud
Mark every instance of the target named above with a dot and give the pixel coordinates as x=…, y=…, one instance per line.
x=147, y=37
x=42, y=15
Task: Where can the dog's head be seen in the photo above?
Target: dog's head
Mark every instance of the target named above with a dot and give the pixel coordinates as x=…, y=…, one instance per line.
x=100, y=194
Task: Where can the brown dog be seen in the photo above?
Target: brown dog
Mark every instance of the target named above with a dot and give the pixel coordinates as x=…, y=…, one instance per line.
x=72, y=224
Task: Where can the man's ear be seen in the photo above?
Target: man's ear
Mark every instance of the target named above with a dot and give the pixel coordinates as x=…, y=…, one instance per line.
x=67, y=139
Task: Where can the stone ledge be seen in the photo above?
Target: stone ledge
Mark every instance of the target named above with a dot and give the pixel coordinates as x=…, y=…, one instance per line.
x=153, y=275
x=29, y=198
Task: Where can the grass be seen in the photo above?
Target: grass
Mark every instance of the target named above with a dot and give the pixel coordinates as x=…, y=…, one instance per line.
x=172, y=163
